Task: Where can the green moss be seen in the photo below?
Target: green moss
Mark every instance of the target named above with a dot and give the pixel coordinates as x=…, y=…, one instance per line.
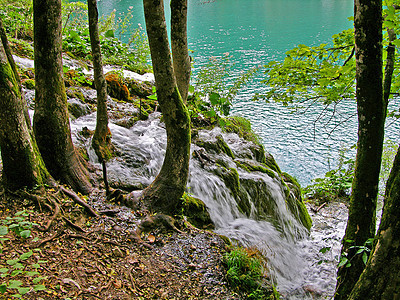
x=271, y=163
x=196, y=212
x=304, y=215
x=289, y=178
x=241, y=126
x=29, y=84
x=220, y=146
x=250, y=166
x=230, y=176
x=226, y=240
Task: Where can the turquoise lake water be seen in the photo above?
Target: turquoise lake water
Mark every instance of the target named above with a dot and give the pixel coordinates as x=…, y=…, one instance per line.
x=255, y=32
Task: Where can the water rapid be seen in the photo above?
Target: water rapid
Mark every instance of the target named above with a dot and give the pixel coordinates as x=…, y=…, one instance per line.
x=292, y=254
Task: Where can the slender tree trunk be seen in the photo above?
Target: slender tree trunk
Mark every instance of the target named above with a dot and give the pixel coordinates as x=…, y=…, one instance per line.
x=166, y=190
x=101, y=141
x=179, y=45
x=381, y=277
x=371, y=118
x=22, y=164
x=389, y=68
x=51, y=119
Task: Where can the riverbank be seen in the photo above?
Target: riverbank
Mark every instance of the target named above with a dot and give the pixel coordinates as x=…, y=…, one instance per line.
x=83, y=257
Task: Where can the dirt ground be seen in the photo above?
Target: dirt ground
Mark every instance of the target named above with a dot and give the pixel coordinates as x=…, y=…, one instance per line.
x=72, y=255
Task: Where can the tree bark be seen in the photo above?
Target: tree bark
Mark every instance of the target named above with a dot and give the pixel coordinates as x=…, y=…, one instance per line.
x=165, y=191
x=51, y=119
x=381, y=277
x=371, y=117
x=179, y=45
x=101, y=141
x=22, y=164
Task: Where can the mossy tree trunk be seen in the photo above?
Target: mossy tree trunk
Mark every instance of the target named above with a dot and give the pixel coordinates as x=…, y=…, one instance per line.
x=101, y=141
x=371, y=117
x=51, y=119
x=22, y=163
x=381, y=277
x=179, y=46
x=166, y=190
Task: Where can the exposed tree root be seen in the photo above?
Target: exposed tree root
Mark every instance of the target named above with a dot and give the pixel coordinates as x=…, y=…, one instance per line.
x=78, y=200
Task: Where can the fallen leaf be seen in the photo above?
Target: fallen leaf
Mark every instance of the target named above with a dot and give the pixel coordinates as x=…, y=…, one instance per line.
x=151, y=238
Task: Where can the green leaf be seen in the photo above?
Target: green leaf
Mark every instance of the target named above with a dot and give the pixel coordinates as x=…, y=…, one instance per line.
x=31, y=273
x=4, y=270
x=191, y=89
x=16, y=272
x=3, y=288
x=39, y=287
x=26, y=255
x=109, y=33
x=3, y=230
x=24, y=290
x=25, y=233
x=12, y=262
x=324, y=250
x=343, y=261
x=19, y=266
x=13, y=284
x=365, y=258
x=38, y=279
x=214, y=98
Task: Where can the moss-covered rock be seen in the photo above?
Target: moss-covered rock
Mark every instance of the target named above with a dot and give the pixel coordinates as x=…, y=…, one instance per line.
x=217, y=146
x=196, y=212
x=295, y=201
x=139, y=88
x=116, y=87
x=241, y=126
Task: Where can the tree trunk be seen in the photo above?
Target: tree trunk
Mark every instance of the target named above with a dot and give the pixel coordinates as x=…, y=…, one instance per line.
x=179, y=45
x=371, y=118
x=381, y=278
x=22, y=164
x=166, y=190
x=51, y=119
x=101, y=141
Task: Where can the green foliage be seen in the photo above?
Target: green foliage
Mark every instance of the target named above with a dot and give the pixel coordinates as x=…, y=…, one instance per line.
x=17, y=17
x=19, y=273
x=134, y=55
x=309, y=73
x=362, y=251
x=245, y=272
x=212, y=93
x=326, y=73
x=335, y=185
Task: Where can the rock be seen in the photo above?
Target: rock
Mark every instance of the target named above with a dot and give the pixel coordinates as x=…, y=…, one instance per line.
x=78, y=109
x=196, y=212
x=116, y=87
x=139, y=88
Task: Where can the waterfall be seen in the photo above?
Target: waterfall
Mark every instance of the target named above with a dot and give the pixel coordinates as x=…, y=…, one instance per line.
x=142, y=148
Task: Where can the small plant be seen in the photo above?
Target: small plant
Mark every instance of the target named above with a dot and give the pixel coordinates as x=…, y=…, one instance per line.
x=362, y=251
x=336, y=184
x=20, y=273
x=245, y=271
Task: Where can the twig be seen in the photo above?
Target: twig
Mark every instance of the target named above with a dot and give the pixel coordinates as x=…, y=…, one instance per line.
x=73, y=225
x=78, y=200
x=46, y=240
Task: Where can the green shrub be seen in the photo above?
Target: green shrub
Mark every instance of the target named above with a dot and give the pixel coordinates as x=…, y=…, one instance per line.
x=246, y=273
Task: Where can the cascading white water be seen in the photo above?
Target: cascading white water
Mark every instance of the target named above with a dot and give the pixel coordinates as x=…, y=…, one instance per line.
x=283, y=243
